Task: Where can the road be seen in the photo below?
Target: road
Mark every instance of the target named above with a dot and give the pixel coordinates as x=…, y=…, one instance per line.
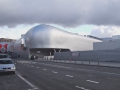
x=61, y=76
x=13, y=82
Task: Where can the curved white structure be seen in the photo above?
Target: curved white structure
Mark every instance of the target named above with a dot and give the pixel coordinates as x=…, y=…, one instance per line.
x=48, y=39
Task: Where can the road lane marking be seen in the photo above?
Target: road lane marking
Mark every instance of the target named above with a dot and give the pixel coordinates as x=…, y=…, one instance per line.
x=33, y=62
x=92, y=81
x=44, y=69
x=60, y=66
x=68, y=76
x=37, y=67
x=30, y=84
x=55, y=65
x=111, y=73
x=98, y=71
x=54, y=72
x=32, y=66
x=81, y=88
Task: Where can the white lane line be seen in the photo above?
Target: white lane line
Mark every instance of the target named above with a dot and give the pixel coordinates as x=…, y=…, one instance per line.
x=81, y=88
x=55, y=65
x=44, y=69
x=32, y=66
x=54, y=72
x=68, y=76
x=98, y=71
x=28, y=65
x=34, y=62
x=37, y=67
x=92, y=81
x=30, y=84
x=110, y=73
x=61, y=66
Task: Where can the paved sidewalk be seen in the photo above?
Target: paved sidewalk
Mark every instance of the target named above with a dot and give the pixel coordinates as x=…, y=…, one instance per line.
x=100, y=63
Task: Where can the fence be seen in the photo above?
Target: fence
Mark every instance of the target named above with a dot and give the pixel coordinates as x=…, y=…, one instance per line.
x=99, y=57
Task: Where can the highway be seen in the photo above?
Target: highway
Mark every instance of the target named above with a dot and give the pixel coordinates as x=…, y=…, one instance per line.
x=60, y=76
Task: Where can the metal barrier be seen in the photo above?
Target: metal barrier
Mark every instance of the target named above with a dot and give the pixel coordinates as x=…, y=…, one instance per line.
x=83, y=61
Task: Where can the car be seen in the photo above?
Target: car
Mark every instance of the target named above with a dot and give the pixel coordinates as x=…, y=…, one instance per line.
x=7, y=65
x=14, y=55
x=4, y=56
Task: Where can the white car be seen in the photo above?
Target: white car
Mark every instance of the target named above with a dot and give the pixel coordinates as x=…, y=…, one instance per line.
x=6, y=65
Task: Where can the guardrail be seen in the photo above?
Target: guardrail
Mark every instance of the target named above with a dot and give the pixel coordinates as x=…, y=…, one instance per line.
x=83, y=62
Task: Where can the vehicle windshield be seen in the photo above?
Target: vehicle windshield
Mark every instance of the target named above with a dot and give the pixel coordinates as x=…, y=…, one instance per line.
x=3, y=56
x=6, y=62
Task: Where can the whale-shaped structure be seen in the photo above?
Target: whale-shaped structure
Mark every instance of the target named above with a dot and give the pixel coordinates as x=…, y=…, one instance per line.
x=43, y=40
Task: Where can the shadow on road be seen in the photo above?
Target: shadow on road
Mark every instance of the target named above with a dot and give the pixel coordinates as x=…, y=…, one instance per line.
x=5, y=73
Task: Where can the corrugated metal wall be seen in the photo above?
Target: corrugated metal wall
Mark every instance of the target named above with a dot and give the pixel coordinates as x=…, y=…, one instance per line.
x=102, y=55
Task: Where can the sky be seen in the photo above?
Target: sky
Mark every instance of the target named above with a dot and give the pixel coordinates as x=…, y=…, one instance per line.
x=100, y=18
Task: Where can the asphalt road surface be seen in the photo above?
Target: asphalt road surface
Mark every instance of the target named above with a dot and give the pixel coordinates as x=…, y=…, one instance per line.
x=13, y=82
x=60, y=76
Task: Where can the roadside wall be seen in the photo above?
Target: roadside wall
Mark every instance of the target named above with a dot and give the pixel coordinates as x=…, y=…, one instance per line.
x=102, y=55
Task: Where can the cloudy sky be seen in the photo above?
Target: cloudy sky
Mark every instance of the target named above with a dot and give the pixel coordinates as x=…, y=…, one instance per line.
x=100, y=18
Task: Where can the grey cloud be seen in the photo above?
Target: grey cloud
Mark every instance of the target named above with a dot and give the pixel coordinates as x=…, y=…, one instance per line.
x=105, y=31
x=106, y=13
x=67, y=13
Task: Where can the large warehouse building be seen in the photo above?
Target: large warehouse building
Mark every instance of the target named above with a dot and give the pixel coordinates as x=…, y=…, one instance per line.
x=110, y=44
x=44, y=40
